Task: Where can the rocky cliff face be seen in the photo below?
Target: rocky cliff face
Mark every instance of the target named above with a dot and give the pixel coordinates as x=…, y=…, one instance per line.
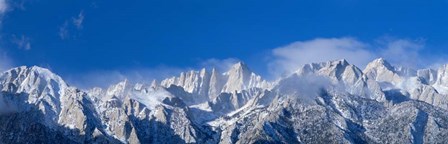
x=208, y=85
x=329, y=102
x=426, y=85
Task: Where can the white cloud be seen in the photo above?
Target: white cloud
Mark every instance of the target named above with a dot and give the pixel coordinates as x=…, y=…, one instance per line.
x=10, y=5
x=63, y=31
x=66, y=30
x=3, y=6
x=104, y=78
x=283, y=60
x=77, y=21
x=22, y=42
x=5, y=61
x=290, y=58
x=403, y=52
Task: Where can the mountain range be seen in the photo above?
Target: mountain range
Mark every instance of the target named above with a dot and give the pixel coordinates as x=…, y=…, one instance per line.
x=327, y=102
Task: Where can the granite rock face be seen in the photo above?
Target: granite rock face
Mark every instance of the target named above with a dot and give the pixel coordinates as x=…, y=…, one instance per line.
x=328, y=102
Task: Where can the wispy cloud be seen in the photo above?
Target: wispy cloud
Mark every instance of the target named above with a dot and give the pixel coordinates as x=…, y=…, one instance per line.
x=403, y=52
x=3, y=6
x=5, y=61
x=283, y=60
x=77, y=21
x=289, y=58
x=63, y=31
x=72, y=25
x=22, y=42
x=104, y=78
x=11, y=5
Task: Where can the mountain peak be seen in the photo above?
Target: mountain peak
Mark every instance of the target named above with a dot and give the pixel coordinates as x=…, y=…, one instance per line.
x=341, y=61
x=33, y=71
x=238, y=77
x=333, y=65
x=381, y=59
x=37, y=69
x=239, y=66
x=43, y=88
x=382, y=71
x=154, y=84
x=119, y=88
x=224, y=103
x=380, y=62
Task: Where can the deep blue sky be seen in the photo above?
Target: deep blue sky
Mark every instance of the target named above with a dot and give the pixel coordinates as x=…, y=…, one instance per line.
x=182, y=33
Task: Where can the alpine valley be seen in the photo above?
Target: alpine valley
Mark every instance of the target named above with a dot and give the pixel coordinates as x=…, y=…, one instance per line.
x=328, y=102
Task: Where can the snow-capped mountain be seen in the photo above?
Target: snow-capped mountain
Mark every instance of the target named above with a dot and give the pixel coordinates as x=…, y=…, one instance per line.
x=327, y=102
x=209, y=84
x=419, y=85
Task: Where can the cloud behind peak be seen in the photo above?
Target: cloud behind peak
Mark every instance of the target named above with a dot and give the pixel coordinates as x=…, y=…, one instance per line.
x=289, y=58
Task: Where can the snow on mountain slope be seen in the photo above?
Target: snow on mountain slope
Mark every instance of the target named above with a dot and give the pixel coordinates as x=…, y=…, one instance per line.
x=425, y=85
x=208, y=85
x=441, y=82
x=45, y=100
x=240, y=77
x=350, y=76
x=195, y=82
x=429, y=76
x=383, y=72
x=327, y=102
x=43, y=88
